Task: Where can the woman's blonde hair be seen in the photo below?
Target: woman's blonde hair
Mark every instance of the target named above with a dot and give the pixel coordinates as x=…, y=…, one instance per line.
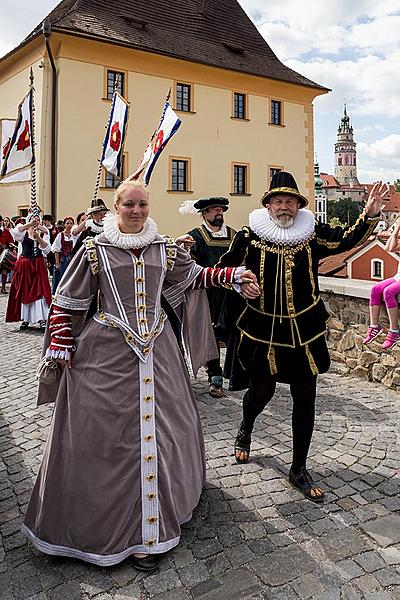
x=126, y=185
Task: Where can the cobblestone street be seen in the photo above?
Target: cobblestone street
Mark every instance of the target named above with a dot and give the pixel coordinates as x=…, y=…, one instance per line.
x=253, y=537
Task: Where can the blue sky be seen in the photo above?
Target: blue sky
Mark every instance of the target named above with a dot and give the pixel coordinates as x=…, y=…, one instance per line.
x=352, y=47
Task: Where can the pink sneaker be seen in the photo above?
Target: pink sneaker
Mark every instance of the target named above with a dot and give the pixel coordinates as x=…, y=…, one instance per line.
x=391, y=340
x=372, y=333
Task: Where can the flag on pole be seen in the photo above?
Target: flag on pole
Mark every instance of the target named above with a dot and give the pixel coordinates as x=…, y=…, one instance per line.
x=18, y=153
x=113, y=145
x=169, y=125
x=7, y=127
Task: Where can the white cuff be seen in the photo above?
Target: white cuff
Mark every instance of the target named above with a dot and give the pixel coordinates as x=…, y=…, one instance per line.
x=63, y=354
x=237, y=278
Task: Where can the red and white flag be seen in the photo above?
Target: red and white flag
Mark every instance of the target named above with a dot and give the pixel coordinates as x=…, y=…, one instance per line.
x=169, y=125
x=7, y=127
x=18, y=153
x=113, y=146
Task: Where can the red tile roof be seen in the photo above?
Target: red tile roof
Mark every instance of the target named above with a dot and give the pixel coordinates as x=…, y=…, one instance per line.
x=394, y=203
x=212, y=32
x=329, y=180
x=335, y=266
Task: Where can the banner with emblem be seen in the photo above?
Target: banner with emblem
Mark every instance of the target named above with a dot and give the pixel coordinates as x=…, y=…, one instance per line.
x=18, y=153
x=113, y=146
x=7, y=127
x=169, y=125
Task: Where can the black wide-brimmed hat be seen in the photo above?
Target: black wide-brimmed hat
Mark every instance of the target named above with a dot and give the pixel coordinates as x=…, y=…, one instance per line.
x=96, y=205
x=284, y=183
x=205, y=203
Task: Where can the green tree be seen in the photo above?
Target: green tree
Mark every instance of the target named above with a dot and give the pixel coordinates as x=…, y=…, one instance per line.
x=345, y=210
x=396, y=184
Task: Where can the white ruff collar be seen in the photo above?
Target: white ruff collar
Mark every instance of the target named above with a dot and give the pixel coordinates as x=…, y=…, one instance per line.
x=95, y=227
x=301, y=230
x=126, y=241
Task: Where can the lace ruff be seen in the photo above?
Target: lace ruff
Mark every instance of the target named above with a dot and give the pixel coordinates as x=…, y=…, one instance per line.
x=301, y=230
x=127, y=241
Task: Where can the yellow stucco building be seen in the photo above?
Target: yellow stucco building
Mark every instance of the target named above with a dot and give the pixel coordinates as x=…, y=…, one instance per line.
x=243, y=112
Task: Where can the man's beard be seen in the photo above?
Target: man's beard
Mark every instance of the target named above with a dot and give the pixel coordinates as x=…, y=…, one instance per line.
x=283, y=220
x=217, y=222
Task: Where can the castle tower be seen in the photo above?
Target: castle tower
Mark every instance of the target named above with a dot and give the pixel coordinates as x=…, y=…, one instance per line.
x=320, y=198
x=346, y=153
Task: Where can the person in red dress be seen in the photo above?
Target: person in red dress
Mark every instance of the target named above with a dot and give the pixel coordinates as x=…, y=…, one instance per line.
x=6, y=241
x=30, y=294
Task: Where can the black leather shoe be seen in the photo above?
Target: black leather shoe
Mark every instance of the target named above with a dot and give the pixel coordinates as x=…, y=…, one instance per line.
x=147, y=564
x=303, y=482
x=24, y=325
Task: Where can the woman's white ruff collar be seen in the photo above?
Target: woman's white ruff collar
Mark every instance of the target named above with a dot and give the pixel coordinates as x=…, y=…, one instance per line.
x=126, y=241
x=301, y=230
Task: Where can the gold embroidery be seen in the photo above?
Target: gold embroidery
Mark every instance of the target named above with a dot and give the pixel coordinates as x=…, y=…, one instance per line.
x=272, y=360
x=310, y=270
x=210, y=241
x=262, y=266
x=330, y=245
x=311, y=361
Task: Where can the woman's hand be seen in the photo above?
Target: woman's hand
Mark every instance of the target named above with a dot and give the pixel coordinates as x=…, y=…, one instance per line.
x=186, y=241
x=249, y=287
x=36, y=234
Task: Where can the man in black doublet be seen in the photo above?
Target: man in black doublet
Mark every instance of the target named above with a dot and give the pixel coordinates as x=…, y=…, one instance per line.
x=212, y=240
x=280, y=335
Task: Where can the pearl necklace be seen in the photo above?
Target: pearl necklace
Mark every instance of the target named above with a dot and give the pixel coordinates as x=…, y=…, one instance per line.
x=126, y=241
x=301, y=230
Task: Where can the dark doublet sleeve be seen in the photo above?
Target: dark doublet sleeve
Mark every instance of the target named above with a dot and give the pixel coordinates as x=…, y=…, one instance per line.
x=237, y=250
x=334, y=240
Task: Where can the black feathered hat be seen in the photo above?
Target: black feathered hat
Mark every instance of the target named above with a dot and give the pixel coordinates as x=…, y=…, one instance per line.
x=284, y=183
x=205, y=203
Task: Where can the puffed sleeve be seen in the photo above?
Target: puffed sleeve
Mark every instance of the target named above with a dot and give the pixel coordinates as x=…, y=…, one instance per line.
x=56, y=245
x=78, y=286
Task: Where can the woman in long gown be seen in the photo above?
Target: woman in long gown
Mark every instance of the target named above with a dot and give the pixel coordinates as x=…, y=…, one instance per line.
x=124, y=463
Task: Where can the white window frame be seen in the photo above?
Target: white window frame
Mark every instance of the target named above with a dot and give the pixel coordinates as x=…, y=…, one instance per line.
x=382, y=263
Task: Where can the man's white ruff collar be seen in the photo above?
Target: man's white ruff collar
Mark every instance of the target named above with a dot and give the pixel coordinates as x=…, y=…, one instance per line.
x=301, y=230
x=95, y=227
x=126, y=241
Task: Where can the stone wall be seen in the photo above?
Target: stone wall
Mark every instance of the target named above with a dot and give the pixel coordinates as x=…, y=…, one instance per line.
x=346, y=331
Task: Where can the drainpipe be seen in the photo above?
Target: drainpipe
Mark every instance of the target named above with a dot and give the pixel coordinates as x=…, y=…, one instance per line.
x=46, y=28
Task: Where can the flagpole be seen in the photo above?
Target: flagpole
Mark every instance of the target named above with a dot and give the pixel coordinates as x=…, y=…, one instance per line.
x=97, y=185
x=34, y=205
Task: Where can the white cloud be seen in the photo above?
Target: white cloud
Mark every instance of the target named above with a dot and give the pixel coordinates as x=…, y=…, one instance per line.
x=380, y=159
x=369, y=84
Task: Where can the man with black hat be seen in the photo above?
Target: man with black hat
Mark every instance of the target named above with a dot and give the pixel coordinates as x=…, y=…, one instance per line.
x=92, y=225
x=282, y=332
x=211, y=240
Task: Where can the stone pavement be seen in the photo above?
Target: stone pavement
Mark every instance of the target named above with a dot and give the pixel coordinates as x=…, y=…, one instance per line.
x=252, y=537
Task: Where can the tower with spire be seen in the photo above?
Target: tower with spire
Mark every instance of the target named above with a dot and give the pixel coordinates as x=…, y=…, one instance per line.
x=346, y=153
x=320, y=197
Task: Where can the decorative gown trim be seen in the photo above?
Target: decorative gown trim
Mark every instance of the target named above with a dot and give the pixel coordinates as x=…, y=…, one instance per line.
x=103, y=560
